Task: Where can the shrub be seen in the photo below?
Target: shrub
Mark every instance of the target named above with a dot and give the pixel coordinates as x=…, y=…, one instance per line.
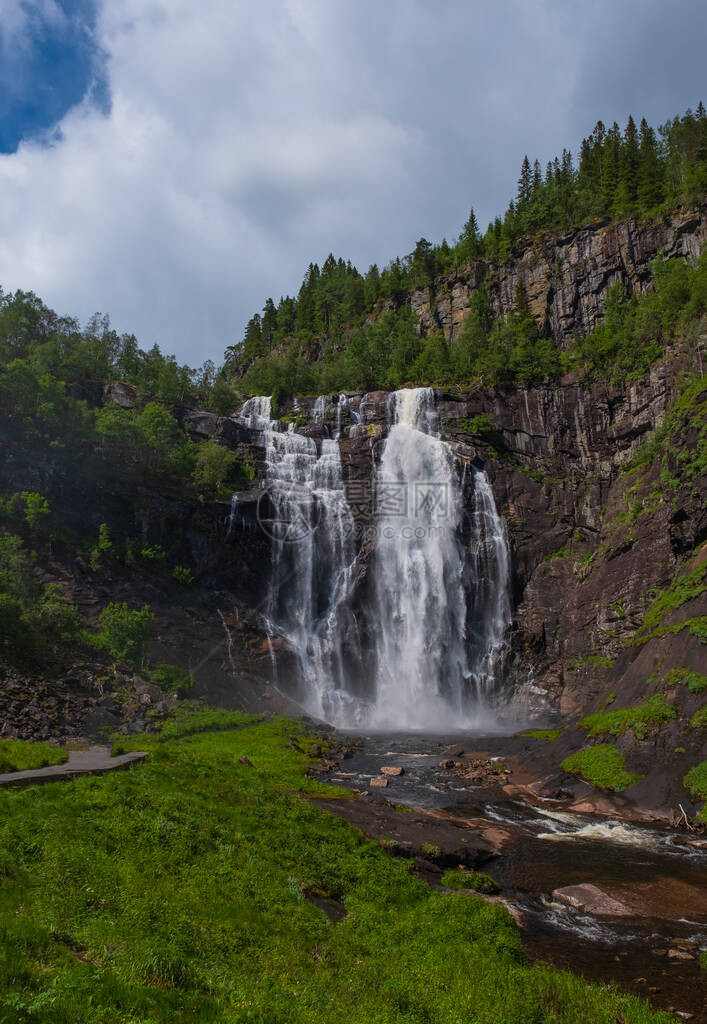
x=124, y=632
x=36, y=508
x=215, y=467
x=457, y=878
x=182, y=575
x=171, y=679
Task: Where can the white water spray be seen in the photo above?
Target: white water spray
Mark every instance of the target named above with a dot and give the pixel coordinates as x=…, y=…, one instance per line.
x=438, y=606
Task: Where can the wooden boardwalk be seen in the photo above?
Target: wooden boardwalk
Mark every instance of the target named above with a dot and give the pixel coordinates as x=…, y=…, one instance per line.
x=94, y=761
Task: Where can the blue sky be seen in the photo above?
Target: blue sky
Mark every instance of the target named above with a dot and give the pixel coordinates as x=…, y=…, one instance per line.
x=194, y=158
x=50, y=61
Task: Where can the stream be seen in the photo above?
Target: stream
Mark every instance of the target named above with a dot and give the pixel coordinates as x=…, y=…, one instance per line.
x=653, y=952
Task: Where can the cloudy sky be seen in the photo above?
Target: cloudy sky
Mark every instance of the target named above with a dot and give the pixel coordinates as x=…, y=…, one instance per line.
x=194, y=158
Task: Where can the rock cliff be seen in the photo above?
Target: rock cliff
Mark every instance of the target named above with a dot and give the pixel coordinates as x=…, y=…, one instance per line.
x=566, y=278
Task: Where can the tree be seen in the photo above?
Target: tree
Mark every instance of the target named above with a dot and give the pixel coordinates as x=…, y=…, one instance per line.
x=124, y=632
x=214, y=467
x=470, y=246
x=525, y=183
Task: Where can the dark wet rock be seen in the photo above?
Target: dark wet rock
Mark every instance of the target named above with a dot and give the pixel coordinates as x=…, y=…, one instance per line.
x=679, y=954
x=591, y=899
x=455, y=841
x=452, y=752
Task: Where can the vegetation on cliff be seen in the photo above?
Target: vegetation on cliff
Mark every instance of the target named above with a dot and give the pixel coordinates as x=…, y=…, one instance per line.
x=346, y=330
x=186, y=889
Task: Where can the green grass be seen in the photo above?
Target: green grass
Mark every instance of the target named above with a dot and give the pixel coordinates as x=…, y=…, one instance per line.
x=177, y=892
x=696, y=782
x=21, y=755
x=543, y=734
x=455, y=878
x=639, y=718
x=685, y=677
x=601, y=765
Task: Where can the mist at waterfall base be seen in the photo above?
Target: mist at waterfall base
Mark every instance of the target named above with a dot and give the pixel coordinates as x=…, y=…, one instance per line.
x=424, y=650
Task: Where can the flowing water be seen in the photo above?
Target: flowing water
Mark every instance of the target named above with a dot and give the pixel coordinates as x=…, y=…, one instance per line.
x=655, y=872
x=426, y=649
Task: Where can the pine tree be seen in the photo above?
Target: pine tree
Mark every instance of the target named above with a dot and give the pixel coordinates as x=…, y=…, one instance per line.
x=650, y=171
x=269, y=323
x=470, y=246
x=525, y=183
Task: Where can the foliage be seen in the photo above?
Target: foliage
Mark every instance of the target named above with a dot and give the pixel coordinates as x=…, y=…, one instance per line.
x=602, y=765
x=153, y=553
x=686, y=677
x=543, y=734
x=593, y=659
x=685, y=587
x=214, y=468
x=699, y=719
x=174, y=891
x=21, y=755
x=696, y=782
x=102, y=547
x=171, y=679
x=35, y=621
x=123, y=632
x=458, y=878
x=183, y=575
x=636, y=328
x=638, y=718
x=348, y=330
x=36, y=508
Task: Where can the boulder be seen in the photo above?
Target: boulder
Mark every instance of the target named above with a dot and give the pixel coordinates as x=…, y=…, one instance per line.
x=591, y=899
x=454, y=751
x=378, y=783
x=391, y=770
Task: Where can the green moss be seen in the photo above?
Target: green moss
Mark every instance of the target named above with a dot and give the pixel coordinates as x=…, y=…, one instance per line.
x=591, y=659
x=543, y=734
x=696, y=782
x=685, y=587
x=697, y=625
x=639, y=718
x=457, y=878
x=699, y=719
x=21, y=755
x=685, y=677
x=601, y=765
x=564, y=552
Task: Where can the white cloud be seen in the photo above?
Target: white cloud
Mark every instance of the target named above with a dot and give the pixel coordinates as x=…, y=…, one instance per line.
x=245, y=140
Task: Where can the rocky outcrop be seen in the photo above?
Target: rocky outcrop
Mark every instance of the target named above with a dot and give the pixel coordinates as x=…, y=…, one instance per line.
x=566, y=278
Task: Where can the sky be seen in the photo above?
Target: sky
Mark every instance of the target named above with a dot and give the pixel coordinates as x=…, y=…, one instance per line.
x=173, y=164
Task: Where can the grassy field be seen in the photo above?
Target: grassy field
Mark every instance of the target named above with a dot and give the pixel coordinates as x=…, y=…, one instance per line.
x=178, y=891
x=19, y=755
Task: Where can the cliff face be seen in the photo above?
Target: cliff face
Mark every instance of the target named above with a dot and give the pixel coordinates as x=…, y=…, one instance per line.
x=566, y=278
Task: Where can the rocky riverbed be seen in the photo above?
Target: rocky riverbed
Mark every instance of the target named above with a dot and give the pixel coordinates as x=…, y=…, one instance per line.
x=610, y=898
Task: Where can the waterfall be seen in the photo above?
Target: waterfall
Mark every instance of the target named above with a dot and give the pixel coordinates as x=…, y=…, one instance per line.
x=441, y=611
x=437, y=608
x=304, y=510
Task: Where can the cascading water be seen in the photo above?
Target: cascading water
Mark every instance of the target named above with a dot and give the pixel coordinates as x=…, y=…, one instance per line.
x=313, y=554
x=441, y=611
x=438, y=605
